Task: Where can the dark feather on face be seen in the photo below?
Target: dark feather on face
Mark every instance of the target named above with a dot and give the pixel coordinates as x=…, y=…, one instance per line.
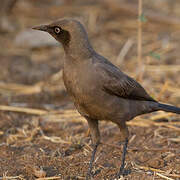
x=60, y=34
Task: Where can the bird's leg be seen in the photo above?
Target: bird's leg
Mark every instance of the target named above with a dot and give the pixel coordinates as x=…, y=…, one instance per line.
x=93, y=125
x=125, y=134
x=89, y=173
x=123, y=158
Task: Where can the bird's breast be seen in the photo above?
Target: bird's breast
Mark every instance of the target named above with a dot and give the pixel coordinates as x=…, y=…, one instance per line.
x=83, y=85
x=78, y=81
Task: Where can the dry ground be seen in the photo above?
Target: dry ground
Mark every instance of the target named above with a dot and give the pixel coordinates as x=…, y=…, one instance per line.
x=42, y=135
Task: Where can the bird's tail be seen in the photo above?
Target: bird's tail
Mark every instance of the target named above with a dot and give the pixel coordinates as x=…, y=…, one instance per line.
x=168, y=108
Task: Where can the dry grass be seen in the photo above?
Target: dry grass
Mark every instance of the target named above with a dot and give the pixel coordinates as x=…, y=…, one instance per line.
x=50, y=131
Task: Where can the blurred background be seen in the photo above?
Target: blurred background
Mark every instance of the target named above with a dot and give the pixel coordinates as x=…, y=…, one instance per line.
x=143, y=40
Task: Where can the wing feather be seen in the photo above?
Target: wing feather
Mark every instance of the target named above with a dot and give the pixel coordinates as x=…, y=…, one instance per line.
x=117, y=83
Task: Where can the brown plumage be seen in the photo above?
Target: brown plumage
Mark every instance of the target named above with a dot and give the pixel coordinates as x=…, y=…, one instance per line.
x=99, y=89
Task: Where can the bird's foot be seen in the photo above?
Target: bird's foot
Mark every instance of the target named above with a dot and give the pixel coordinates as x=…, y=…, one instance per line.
x=122, y=171
x=92, y=174
x=125, y=172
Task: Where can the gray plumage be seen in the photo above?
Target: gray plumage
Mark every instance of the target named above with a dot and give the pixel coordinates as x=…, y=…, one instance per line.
x=100, y=90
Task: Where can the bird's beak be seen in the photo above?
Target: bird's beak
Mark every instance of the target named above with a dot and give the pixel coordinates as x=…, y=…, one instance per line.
x=41, y=28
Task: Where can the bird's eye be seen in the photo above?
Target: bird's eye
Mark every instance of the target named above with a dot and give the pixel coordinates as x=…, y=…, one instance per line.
x=57, y=30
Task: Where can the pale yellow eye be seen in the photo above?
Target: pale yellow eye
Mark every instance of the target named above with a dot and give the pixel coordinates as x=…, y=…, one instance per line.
x=57, y=30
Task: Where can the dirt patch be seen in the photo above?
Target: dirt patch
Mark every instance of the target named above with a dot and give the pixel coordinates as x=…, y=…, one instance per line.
x=54, y=141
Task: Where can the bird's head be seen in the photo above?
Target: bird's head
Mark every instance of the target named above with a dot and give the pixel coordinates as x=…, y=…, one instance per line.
x=69, y=32
x=60, y=30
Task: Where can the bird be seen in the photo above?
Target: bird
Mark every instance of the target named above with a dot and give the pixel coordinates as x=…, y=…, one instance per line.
x=99, y=89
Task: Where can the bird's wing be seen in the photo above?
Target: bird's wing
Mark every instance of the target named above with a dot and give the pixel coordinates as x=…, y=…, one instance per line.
x=117, y=83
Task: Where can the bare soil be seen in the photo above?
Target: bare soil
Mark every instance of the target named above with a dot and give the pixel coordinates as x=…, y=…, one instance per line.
x=56, y=143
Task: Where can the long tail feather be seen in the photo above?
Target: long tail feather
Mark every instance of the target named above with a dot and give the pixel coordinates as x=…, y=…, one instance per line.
x=169, y=108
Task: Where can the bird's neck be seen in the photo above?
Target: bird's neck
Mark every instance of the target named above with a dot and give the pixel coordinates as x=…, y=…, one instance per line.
x=79, y=48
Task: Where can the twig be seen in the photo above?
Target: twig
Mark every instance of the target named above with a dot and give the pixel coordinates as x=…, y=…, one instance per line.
x=157, y=171
x=172, y=127
x=163, y=68
x=56, y=139
x=23, y=110
x=163, y=176
x=124, y=51
x=20, y=88
x=148, y=168
x=160, y=116
x=139, y=50
x=132, y=8
x=48, y=178
x=163, y=89
x=10, y=177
